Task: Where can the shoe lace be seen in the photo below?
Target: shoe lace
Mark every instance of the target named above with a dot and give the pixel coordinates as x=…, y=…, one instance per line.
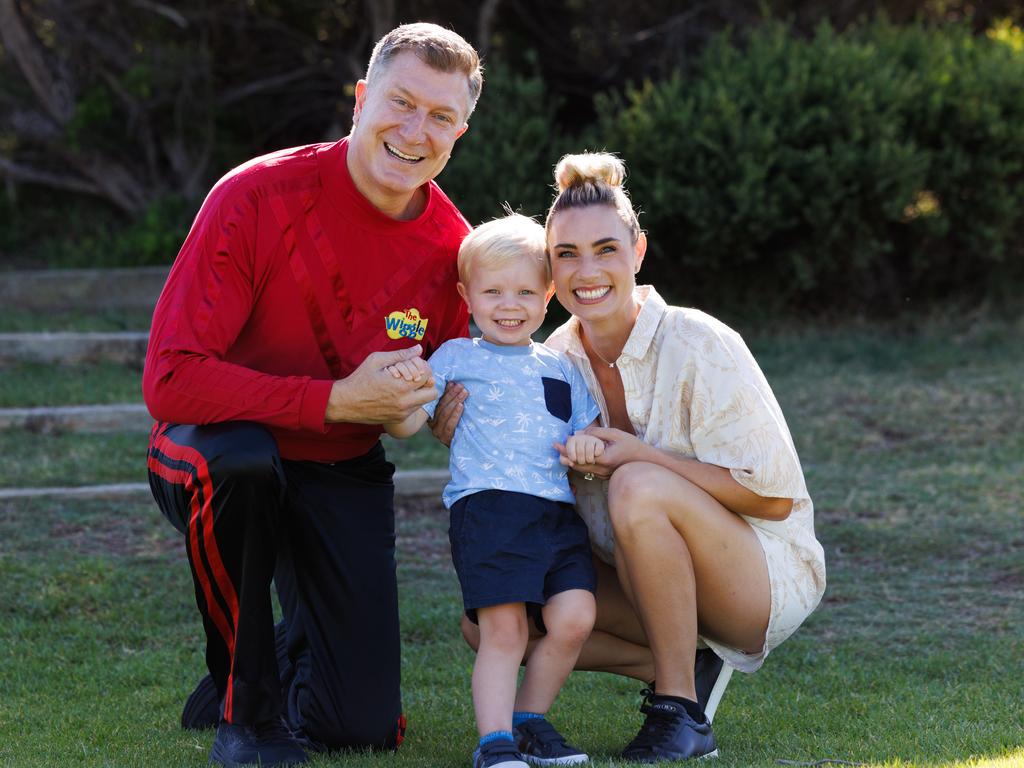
x=658, y=724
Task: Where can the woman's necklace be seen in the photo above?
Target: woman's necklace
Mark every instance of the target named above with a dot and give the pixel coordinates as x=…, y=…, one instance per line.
x=600, y=357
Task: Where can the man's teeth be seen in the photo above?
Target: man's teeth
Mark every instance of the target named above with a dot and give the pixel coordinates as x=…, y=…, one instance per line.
x=401, y=155
x=589, y=294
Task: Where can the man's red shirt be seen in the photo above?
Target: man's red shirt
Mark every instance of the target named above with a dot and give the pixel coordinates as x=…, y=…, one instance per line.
x=287, y=280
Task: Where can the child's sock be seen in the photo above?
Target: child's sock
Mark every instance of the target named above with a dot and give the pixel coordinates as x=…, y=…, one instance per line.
x=518, y=718
x=496, y=736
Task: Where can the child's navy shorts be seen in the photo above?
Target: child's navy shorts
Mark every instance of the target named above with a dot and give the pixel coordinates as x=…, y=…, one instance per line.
x=512, y=547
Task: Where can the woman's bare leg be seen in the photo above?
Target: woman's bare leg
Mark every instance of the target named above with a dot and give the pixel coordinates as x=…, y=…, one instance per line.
x=688, y=562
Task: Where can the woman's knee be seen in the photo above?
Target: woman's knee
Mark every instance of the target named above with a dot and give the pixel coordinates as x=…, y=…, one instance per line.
x=470, y=632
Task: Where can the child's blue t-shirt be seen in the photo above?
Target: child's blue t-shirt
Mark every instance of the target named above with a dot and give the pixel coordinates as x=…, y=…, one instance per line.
x=522, y=400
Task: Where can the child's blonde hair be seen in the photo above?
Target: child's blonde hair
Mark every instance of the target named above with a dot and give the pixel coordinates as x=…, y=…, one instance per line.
x=502, y=241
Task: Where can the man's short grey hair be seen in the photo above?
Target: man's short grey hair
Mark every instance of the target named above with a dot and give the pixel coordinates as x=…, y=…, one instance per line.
x=437, y=47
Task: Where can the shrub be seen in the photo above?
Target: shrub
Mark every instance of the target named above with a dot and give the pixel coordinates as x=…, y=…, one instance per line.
x=507, y=155
x=871, y=168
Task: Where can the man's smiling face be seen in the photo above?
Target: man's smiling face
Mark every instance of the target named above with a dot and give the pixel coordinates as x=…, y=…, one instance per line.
x=405, y=124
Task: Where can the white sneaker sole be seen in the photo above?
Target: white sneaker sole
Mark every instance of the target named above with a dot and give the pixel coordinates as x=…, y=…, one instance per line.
x=571, y=760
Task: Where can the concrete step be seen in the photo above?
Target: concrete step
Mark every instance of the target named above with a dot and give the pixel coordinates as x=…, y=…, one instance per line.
x=132, y=289
x=126, y=347
x=409, y=484
x=119, y=417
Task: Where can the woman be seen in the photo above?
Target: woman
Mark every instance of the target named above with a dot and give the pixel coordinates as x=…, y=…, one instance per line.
x=698, y=513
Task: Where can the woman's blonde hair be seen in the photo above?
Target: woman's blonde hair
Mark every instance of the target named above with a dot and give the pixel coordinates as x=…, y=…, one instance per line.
x=502, y=241
x=593, y=178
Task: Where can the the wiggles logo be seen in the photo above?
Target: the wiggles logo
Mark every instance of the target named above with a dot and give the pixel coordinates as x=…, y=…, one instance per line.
x=406, y=325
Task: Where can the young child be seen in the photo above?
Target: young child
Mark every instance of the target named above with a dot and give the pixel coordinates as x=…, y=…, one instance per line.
x=518, y=545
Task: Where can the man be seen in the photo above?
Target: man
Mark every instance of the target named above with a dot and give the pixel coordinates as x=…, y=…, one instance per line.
x=305, y=274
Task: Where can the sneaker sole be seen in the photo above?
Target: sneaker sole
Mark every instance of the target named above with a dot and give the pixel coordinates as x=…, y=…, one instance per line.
x=570, y=760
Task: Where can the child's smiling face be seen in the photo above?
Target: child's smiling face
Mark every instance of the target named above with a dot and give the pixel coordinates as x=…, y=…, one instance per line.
x=508, y=302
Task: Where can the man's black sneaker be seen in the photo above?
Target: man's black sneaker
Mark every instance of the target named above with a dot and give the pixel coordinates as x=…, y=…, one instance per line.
x=498, y=754
x=265, y=744
x=669, y=733
x=540, y=744
x=202, y=707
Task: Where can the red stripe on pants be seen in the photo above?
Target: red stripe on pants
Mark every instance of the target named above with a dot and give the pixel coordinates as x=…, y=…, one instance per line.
x=203, y=515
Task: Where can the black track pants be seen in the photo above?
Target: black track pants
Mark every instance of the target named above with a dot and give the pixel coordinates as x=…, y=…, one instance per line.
x=326, y=535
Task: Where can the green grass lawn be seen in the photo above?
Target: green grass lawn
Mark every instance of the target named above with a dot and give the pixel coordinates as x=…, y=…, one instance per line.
x=913, y=445
x=28, y=385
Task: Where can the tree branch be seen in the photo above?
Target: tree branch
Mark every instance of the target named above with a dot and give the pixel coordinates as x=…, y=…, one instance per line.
x=485, y=26
x=240, y=92
x=163, y=10
x=24, y=173
x=382, y=17
x=55, y=95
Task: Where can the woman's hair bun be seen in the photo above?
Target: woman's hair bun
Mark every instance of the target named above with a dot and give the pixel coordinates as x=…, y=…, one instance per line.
x=589, y=167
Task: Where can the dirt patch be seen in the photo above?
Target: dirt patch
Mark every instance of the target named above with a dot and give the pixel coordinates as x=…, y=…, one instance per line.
x=421, y=524
x=138, y=530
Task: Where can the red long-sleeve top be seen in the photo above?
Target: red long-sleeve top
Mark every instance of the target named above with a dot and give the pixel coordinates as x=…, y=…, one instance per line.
x=287, y=280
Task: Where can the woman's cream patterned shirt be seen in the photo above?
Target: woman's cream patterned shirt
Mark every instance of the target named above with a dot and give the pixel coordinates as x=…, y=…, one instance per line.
x=693, y=388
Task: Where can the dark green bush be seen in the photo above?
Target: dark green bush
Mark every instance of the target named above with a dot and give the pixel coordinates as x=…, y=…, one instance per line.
x=508, y=152
x=869, y=169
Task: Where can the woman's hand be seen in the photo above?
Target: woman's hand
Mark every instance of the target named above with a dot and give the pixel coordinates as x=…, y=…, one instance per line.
x=619, y=448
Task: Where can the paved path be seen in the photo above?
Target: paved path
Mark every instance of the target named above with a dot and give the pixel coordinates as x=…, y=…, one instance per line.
x=120, y=417
x=133, y=289
x=409, y=484
x=70, y=347
x=100, y=290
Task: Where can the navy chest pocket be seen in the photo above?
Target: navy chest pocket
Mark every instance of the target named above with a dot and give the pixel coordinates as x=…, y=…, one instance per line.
x=558, y=398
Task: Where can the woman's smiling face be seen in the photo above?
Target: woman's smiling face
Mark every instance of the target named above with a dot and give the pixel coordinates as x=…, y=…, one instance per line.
x=594, y=262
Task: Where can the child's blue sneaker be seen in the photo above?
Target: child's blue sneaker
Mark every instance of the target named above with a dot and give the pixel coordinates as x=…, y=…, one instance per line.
x=498, y=754
x=541, y=744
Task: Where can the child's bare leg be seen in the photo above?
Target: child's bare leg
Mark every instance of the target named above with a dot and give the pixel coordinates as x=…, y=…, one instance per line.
x=569, y=618
x=503, y=638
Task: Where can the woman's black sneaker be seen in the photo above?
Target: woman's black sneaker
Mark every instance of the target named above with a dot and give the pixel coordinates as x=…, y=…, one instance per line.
x=541, y=744
x=669, y=733
x=265, y=744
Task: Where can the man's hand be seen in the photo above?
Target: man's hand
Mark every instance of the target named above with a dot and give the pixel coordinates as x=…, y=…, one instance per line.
x=448, y=412
x=372, y=394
